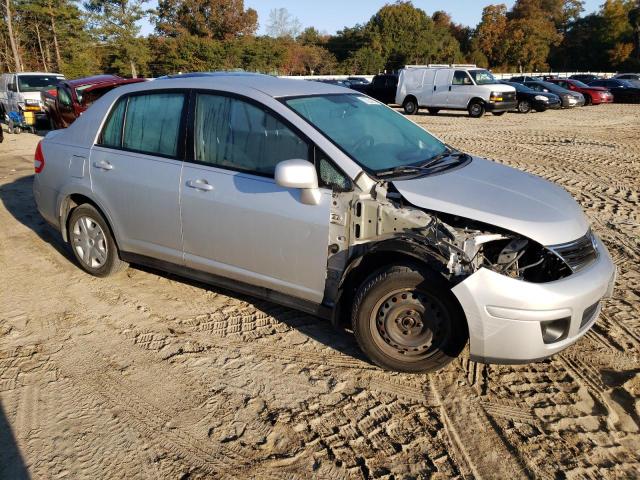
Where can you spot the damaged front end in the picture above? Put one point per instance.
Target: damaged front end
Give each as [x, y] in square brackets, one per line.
[382, 221]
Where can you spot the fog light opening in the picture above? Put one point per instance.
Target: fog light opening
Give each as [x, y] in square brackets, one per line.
[555, 330]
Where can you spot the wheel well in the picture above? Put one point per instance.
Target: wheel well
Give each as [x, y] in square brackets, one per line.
[70, 203]
[410, 97]
[476, 99]
[360, 268]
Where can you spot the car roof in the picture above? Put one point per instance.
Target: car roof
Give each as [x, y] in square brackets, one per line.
[45, 74]
[241, 83]
[76, 82]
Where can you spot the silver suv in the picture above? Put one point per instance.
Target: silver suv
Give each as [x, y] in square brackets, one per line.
[323, 199]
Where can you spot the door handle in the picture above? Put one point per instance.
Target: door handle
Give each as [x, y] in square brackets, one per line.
[103, 165]
[200, 184]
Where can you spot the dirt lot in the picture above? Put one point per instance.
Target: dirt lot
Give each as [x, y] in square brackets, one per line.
[145, 375]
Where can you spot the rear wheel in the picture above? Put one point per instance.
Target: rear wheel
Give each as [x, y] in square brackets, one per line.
[524, 106]
[405, 319]
[433, 111]
[91, 242]
[410, 106]
[476, 109]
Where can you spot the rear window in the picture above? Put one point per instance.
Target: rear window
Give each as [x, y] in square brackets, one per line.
[148, 123]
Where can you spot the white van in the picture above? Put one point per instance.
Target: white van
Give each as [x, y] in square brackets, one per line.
[453, 87]
[21, 91]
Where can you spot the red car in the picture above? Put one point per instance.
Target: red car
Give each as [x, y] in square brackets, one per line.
[70, 98]
[592, 95]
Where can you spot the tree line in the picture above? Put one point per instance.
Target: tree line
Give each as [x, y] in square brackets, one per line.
[195, 35]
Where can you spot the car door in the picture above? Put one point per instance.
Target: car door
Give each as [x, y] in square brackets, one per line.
[461, 90]
[135, 172]
[441, 85]
[66, 114]
[236, 221]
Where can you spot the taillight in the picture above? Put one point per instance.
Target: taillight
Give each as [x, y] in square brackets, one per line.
[38, 159]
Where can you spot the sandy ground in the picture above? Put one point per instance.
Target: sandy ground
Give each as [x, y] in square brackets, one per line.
[145, 375]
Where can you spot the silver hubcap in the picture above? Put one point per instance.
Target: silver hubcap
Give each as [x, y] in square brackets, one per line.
[89, 242]
[476, 109]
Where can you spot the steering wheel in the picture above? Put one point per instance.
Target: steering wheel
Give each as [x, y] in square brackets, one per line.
[365, 141]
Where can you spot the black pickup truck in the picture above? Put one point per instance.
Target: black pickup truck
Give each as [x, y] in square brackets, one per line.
[383, 88]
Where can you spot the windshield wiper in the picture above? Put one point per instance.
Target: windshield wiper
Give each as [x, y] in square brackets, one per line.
[410, 169]
[402, 169]
[442, 156]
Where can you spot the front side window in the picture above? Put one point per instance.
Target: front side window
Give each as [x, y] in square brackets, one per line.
[373, 135]
[461, 78]
[64, 97]
[231, 133]
[483, 77]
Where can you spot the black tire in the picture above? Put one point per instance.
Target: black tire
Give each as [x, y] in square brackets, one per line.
[476, 109]
[524, 106]
[410, 106]
[588, 100]
[391, 326]
[98, 267]
[498, 114]
[433, 111]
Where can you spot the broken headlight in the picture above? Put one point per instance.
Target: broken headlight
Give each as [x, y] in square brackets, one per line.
[524, 259]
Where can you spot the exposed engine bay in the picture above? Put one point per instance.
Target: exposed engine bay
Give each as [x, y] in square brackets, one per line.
[456, 247]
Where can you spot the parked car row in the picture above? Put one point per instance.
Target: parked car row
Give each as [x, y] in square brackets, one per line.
[467, 87]
[30, 99]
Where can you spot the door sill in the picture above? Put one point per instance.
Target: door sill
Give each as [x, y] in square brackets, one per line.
[318, 310]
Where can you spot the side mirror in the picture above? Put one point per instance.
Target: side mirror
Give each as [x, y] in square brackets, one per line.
[11, 87]
[299, 174]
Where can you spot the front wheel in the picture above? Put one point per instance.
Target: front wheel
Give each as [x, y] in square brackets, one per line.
[476, 109]
[410, 106]
[405, 319]
[524, 106]
[91, 242]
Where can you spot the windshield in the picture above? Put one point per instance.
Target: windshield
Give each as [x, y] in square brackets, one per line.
[372, 134]
[37, 83]
[482, 77]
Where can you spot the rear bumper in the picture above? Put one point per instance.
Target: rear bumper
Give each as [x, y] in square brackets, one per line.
[505, 315]
[501, 106]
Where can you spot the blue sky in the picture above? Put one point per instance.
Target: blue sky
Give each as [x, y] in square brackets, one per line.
[333, 15]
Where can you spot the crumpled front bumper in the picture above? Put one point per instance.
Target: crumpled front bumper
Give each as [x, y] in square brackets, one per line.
[505, 315]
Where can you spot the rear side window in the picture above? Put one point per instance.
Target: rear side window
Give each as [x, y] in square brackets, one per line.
[147, 123]
[152, 123]
[112, 133]
[231, 133]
